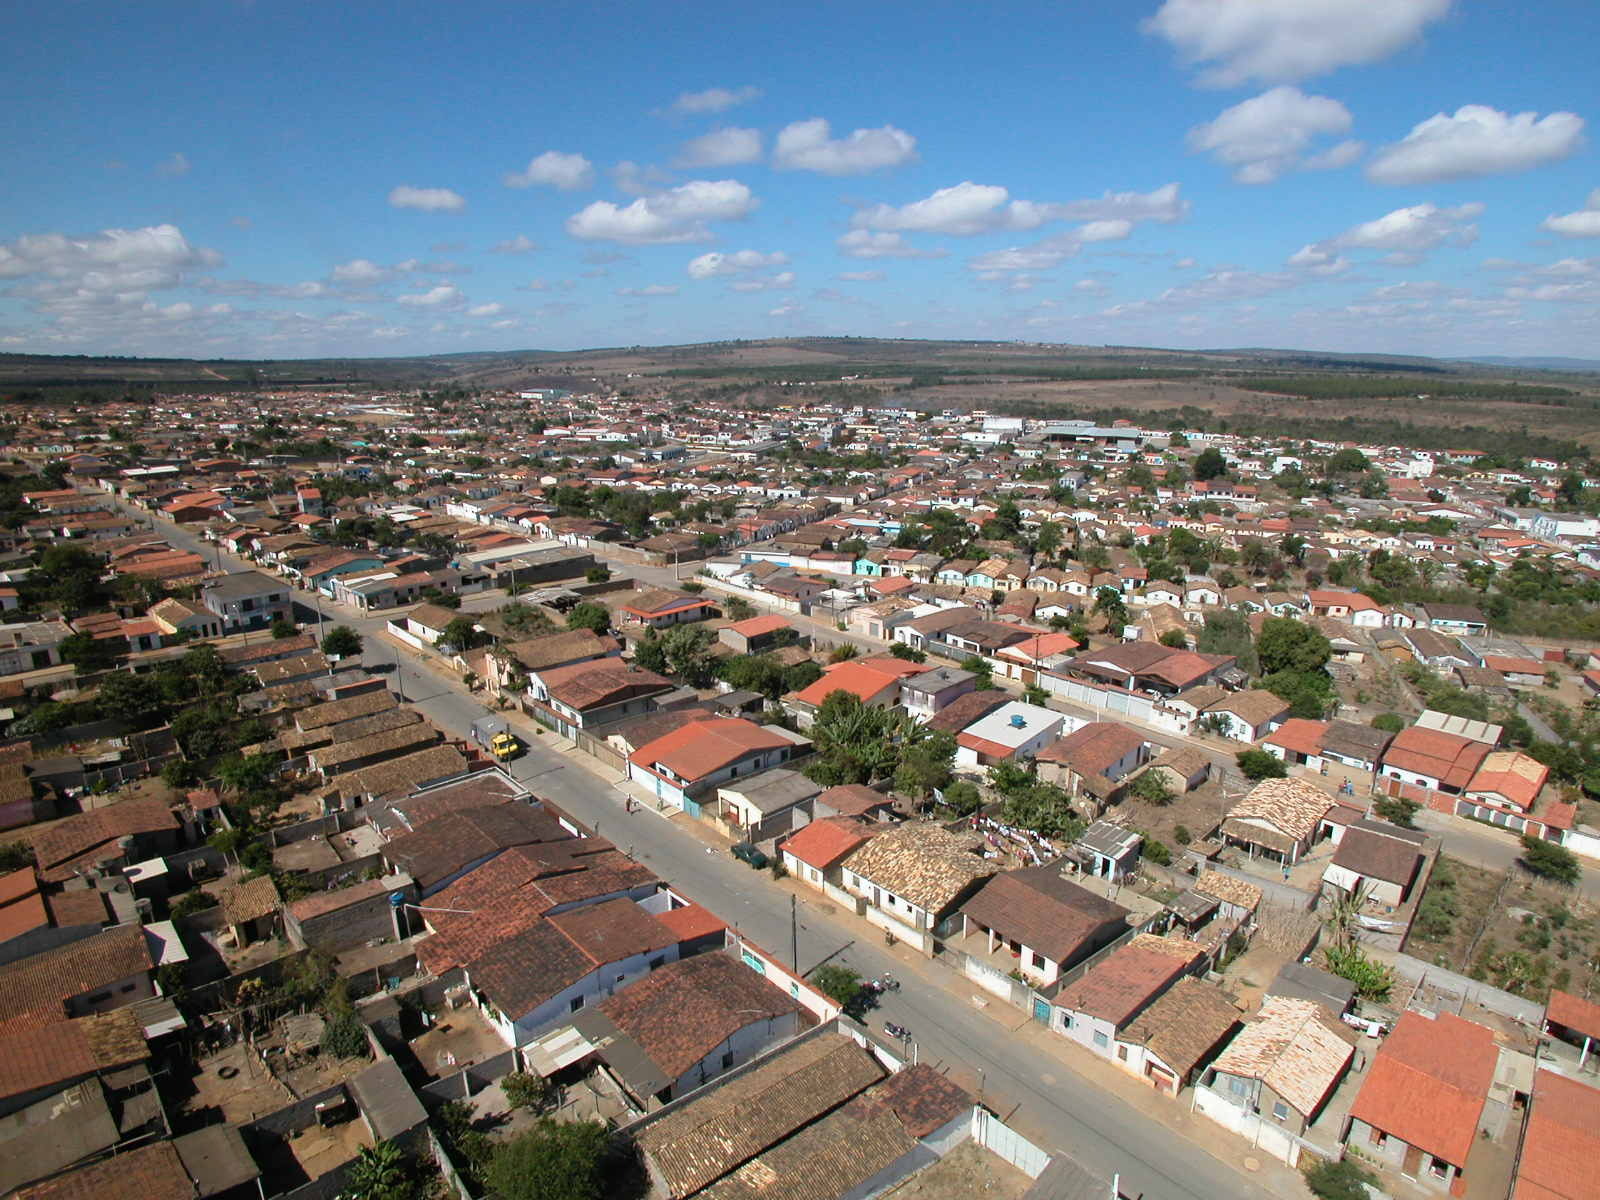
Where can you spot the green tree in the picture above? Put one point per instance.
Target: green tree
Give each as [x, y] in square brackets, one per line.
[1151, 787]
[1348, 461]
[589, 615]
[1258, 764]
[378, 1172]
[1397, 810]
[461, 634]
[1176, 639]
[128, 697]
[528, 1091]
[1108, 603]
[1209, 464]
[1389, 722]
[737, 608]
[841, 985]
[907, 652]
[1286, 644]
[963, 797]
[88, 653]
[342, 642]
[1308, 693]
[686, 650]
[1549, 861]
[981, 668]
[283, 629]
[554, 1160]
[925, 766]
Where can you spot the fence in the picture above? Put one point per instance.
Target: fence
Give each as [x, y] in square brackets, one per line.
[1464, 990]
[990, 1132]
[596, 747]
[469, 1080]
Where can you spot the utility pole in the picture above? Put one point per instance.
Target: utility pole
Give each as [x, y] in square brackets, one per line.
[794, 935]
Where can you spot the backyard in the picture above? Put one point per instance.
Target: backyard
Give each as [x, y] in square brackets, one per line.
[1509, 930]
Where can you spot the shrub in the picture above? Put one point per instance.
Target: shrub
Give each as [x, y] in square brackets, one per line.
[524, 1090]
[345, 1036]
[1156, 852]
[1182, 836]
[1549, 861]
[1151, 787]
[1258, 764]
[190, 903]
[1397, 810]
[1339, 1180]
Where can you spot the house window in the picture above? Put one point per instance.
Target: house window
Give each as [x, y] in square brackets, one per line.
[577, 1003]
[727, 1060]
[1238, 1086]
[1101, 1040]
[1038, 961]
[1066, 1020]
[657, 961]
[1378, 1138]
[1438, 1168]
[1280, 1111]
[1122, 1053]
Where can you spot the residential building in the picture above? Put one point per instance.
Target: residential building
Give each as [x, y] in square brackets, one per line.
[682, 767]
[1278, 818]
[1014, 731]
[1039, 921]
[913, 878]
[1099, 1004]
[1177, 1036]
[247, 600]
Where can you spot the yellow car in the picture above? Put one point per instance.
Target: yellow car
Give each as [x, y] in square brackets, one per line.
[505, 746]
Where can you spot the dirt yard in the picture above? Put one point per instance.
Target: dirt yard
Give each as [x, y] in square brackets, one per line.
[966, 1172]
[1509, 930]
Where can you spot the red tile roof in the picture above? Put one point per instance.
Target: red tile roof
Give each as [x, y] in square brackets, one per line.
[756, 626]
[702, 747]
[1562, 1142]
[823, 843]
[1428, 1084]
[1574, 1013]
[1442, 756]
[690, 921]
[863, 678]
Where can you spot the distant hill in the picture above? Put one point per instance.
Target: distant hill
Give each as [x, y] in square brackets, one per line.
[1537, 364]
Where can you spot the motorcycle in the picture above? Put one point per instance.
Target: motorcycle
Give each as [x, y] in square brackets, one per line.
[897, 1031]
[884, 983]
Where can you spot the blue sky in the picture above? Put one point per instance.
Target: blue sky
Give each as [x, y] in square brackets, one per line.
[276, 179]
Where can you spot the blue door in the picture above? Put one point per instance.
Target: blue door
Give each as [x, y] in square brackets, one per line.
[1041, 1010]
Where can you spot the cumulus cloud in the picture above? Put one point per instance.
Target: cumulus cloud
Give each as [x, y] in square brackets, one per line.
[1226, 284]
[486, 310]
[721, 148]
[709, 266]
[860, 276]
[861, 243]
[155, 256]
[654, 289]
[1476, 140]
[521, 244]
[1265, 136]
[971, 208]
[1404, 235]
[426, 199]
[1583, 223]
[1051, 252]
[568, 172]
[713, 100]
[676, 215]
[1334, 157]
[444, 296]
[962, 210]
[811, 146]
[1281, 41]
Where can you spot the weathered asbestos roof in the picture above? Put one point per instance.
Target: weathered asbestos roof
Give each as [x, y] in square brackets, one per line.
[1295, 1047]
[922, 863]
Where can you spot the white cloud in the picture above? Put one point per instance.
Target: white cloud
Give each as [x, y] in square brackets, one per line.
[714, 100]
[1319, 260]
[1334, 157]
[785, 310]
[1105, 231]
[963, 210]
[486, 310]
[1225, 284]
[1265, 136]
[721, 148]
[521, 244]
[1280, 41]
[359, 271]
[569, 172]
[113, 261]
[859, 243]
[709, 266]
[178, 164]
[1583, 223]
[1164, 204]
[1476, 140]
[426, 199]
[676, 215]
[654, 289]
[444, 296]
[1039, 257]
[782, 281]
[1404, 235]
[860, 276]
[810, 146]
[637, 179]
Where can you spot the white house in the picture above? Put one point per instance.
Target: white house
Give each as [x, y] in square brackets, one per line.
[1013, 731]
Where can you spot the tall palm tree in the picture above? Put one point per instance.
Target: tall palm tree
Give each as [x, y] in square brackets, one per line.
[378, 1172]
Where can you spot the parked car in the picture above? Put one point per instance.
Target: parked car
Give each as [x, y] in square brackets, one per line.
[746, 852]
